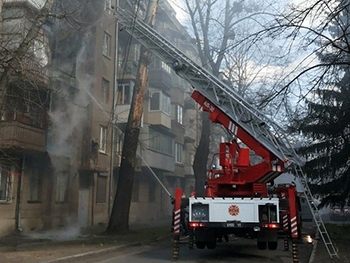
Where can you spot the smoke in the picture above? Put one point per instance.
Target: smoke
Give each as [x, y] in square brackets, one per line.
[57, 234]
[72, 95]
[69, 112]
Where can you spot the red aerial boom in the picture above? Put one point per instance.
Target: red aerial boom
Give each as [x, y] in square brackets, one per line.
[236, 176]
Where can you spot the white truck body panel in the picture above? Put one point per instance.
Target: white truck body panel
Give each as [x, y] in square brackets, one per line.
[245, 210]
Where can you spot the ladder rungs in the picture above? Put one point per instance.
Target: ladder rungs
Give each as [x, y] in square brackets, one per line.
[315, 213]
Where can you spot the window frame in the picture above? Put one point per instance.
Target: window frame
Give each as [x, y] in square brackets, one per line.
[136, 51]
[179, 114]
[108, 6]
[179, 153]
[165, 67]
[8, 184]
[163, 103]
[102, 146]
[106, 47]
[101, 188]
[62, 187]
[35, 181]
[122, 97]
[161, 142]
[105, 90]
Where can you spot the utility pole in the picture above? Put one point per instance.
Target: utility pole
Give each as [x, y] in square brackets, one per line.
[113, 124]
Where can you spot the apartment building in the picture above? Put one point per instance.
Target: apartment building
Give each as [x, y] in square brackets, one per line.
[23, 126]
[55, 124]
[59, 153]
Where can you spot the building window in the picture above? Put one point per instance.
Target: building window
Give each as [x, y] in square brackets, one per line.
[166, 104]
[124, 94]
[140, 9]
[103, 139]
[135, 52]
[161, 142]
[155, 102]
[178, 153]
[108, 6]
[101, 188]
[106, 44]
[35, 185]
[160, 102]
[179, 114]
[105, 90]
[166, 67]
[62, 187]
[5, 184]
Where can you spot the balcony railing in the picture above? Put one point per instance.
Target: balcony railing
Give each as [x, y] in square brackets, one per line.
[34, 72]
[36, 4]
[15, 135]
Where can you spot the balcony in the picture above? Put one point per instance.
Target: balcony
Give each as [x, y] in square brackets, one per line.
[33, 72]
[19, 136]
[158, 118]
[160, 78]
[159, 161]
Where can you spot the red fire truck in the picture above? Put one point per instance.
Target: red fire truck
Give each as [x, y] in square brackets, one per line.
[240, 197]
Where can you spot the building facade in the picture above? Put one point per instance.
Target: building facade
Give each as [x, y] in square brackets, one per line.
[63, 117]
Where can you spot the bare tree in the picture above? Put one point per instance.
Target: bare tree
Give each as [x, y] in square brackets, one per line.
[16, 53]
[215, 26]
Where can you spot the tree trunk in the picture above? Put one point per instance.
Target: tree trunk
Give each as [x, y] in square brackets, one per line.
[201, 156]
[119, 219]
[200, 163]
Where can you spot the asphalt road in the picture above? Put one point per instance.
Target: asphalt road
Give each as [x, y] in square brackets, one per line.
[238, 250]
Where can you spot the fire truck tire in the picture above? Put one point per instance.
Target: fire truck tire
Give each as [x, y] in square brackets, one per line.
[272, 245]
[261, 245]
[200, 244]
[211, 245]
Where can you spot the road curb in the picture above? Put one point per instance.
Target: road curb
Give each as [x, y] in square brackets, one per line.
[99, 251]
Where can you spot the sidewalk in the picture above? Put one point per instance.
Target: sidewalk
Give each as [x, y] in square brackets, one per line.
[59, 245]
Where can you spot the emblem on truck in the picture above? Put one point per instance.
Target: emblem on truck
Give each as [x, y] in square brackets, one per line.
[233, 210]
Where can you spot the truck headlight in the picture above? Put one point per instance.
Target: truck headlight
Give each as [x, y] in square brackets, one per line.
[200, 212]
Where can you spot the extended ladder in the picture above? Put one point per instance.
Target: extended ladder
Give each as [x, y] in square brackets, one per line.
[332, 251]
[266, 131]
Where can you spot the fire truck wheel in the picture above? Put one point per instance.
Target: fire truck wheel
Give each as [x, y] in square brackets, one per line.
[200, 245]
[272, 245]
[211, 245]
[261, 245]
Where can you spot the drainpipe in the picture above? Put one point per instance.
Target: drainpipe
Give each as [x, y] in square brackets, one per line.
[115, 88]
[19, 198]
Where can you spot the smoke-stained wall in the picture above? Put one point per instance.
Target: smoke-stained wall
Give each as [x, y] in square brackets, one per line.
[75, 100]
